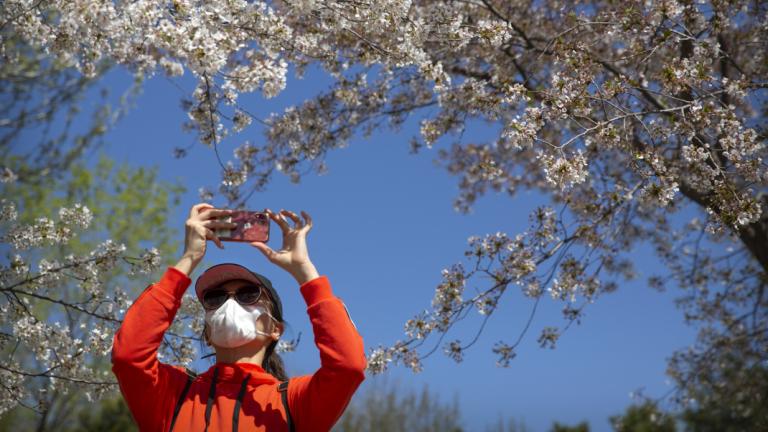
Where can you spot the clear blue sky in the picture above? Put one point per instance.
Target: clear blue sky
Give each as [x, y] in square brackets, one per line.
[384, 229]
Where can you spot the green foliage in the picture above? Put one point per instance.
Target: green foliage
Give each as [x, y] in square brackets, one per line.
[109, 415]
[581, 427]
[510, 426]
[384, 408]
[722, 406]
[130, 206]
[643, 418]
[727, 405]
[10, 420]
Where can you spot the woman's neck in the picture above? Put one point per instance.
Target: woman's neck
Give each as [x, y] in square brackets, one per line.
[242, 354]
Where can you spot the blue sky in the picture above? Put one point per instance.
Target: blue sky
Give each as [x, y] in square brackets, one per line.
[384, 229]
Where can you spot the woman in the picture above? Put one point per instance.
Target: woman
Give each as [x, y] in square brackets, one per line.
[243, 314]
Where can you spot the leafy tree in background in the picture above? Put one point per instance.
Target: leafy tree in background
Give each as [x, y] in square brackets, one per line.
[64, 287]
[581, 427]
[385, 408]
[63, 294]
[733, 406]
[644, 122]
[507, 426]
[110, 415]
[646, 417]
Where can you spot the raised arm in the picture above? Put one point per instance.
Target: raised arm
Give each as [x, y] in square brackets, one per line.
[318, 400]
[145, 382]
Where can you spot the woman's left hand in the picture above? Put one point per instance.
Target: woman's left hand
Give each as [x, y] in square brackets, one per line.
[293, 257]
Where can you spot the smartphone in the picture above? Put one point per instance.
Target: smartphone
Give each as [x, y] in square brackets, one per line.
[251, 226]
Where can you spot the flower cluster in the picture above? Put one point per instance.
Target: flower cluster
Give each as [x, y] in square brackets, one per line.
[45, 346]
[45, 231]
[455, 351]
[148, 261]
[7, 176]
[8, 211]
[549, 337]
[378, 360]
[505, 352]
[564, 171]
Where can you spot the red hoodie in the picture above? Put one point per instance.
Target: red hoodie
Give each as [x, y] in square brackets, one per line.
[243, 396]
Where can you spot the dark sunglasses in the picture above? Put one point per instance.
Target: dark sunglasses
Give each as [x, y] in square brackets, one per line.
[247, 295]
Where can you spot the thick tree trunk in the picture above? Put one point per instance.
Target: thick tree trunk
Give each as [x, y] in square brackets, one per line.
[754, 236]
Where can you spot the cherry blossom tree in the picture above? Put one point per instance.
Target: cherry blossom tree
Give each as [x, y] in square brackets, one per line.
[61, 278]
[643, 121]
[74, 260]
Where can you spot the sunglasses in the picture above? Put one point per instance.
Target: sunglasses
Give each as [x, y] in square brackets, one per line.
[247, 295]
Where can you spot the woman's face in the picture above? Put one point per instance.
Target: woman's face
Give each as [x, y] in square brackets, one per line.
[264, 323]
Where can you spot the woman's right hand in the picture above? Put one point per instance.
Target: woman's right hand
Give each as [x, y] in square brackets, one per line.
[198, 229]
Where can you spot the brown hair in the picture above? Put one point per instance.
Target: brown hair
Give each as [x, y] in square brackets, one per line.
[272, 362]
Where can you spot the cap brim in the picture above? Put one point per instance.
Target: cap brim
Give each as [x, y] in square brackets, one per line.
[221, 273]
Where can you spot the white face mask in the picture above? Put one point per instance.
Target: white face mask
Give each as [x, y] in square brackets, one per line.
[232, 325]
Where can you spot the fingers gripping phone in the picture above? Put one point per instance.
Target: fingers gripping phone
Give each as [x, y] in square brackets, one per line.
[251, 227]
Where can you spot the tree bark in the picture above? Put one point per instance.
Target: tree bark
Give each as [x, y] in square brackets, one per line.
[754, 236]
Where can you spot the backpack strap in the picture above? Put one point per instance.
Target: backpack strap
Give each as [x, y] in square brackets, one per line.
[283, 389]
[238, 403]
[191, 376]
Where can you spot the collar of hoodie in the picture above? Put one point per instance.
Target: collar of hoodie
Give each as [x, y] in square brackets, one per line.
[235, 373]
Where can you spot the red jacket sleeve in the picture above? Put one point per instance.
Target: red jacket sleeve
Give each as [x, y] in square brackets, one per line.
[318, 400]
[147, 384]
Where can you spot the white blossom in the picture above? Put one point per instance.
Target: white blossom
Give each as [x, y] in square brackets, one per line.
[378, 360]
[78, 216]
[7, 176]
[565, 171]
[148, 261]
[7, 211]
